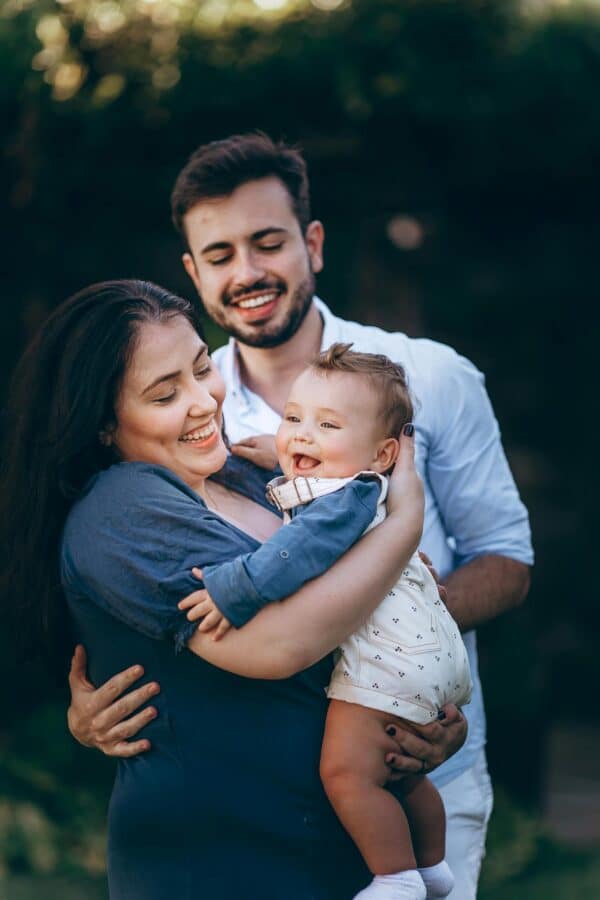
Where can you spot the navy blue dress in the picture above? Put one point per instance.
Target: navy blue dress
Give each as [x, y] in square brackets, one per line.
[228, 803]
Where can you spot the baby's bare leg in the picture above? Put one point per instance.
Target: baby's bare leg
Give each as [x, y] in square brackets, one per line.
[354, 773]
[426, 818]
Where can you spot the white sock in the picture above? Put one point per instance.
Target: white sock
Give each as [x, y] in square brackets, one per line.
[406, 885]
[438, 879]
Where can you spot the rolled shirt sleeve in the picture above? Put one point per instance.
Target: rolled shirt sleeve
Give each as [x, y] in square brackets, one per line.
[130, 543]
[468, 471]
[303, 549]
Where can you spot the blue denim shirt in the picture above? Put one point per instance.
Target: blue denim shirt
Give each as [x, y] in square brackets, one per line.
[229, 801]
[304, 548]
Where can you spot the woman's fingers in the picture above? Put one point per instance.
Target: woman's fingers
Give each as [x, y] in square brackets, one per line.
[406, 453]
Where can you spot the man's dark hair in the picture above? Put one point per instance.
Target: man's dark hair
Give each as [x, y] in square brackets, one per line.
[218, 168]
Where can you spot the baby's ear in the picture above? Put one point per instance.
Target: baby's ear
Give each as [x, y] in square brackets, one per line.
[386, 455]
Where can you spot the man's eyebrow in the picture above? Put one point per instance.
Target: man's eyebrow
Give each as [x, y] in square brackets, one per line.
[171, 375]
[255, 236]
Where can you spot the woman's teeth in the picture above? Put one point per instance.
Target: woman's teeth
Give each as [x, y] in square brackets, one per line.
[257, 301]
[201, 433]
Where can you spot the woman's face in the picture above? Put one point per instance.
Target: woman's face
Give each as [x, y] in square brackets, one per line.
[168, 411]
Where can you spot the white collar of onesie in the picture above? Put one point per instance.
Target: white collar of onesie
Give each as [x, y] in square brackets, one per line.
[286, 493]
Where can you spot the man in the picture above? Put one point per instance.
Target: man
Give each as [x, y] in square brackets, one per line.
[252, 252]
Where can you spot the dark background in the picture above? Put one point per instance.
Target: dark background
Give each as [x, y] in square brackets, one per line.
[454, 153]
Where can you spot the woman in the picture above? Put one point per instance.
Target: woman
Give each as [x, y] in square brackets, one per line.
[119, 479]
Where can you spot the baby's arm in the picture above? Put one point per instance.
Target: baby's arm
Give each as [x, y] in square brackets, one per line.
[301, 550]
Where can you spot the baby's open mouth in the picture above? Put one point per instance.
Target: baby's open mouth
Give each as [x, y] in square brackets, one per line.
[304, 463]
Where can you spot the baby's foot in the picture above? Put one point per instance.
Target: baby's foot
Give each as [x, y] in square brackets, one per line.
[406, 885]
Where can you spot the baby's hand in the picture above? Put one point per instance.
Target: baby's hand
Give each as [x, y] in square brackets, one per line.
[259, 449]
[200, 605]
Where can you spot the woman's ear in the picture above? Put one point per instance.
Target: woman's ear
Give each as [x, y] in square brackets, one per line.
[106, 436]
[386, 455]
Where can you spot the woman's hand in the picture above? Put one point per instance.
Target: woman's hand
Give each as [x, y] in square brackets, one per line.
[259, 449]
[405, 492]
[427, 746]
[101, 717]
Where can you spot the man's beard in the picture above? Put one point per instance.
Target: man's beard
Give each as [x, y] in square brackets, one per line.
[266, 335]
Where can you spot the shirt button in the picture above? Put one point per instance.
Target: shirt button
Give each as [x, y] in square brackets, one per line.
[284, 554]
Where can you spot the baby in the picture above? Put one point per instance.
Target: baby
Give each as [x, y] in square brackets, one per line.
[336, 441]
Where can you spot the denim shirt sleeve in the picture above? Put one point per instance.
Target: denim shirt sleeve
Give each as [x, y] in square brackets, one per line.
[129, 546]
[305, 548]
[468, 471]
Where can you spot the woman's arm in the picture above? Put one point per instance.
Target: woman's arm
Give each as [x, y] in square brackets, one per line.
[285, 638]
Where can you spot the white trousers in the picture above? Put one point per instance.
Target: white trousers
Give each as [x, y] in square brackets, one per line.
[468, 802]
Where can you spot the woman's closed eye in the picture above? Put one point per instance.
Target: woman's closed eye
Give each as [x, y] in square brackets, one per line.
[200, 373]
[166, 399]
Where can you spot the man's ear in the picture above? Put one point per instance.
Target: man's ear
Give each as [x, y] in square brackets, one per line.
[314, 239]
[190, 267]
[386, 455]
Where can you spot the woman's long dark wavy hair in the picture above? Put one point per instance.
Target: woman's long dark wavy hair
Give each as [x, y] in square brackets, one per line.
[63, 395]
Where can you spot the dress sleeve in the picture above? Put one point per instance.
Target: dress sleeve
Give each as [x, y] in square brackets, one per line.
[304, 548]
[468, 471]
[130, 544]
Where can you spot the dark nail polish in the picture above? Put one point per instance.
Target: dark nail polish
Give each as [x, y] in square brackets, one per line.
[391, 731]
[409, 429]
[441, 715]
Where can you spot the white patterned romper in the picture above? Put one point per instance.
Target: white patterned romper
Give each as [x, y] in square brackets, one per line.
[408, 659]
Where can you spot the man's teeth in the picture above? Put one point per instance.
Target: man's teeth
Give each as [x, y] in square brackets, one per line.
[201, 433]
[257, 301]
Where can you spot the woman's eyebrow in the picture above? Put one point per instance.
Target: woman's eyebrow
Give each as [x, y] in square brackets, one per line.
[171, 375]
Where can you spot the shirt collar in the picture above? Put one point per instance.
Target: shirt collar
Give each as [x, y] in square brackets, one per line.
[231, 361]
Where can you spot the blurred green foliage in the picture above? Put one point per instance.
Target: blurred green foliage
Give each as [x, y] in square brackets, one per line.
[472, 126]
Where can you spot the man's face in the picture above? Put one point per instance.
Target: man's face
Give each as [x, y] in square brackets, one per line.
[250, 263]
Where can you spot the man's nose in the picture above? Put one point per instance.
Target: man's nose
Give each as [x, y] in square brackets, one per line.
[249, 269]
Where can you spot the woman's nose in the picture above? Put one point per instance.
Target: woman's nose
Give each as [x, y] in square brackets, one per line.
[203, 402]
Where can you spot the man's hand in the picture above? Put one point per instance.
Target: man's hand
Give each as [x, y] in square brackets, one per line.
[428, 746]
[101, 717]
[259, 449]
[433, 572]
[200, 605]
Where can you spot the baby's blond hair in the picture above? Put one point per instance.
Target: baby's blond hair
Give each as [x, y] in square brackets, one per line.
[388, 380]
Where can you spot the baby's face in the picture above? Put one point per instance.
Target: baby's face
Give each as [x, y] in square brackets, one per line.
[330, 426]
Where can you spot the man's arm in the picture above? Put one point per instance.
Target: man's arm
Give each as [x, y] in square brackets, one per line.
[484, 588]
[476, 495]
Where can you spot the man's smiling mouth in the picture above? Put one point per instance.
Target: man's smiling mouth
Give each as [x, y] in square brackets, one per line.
[255, 302]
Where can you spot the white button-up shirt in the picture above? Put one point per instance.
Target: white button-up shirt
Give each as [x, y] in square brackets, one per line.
[472, 505]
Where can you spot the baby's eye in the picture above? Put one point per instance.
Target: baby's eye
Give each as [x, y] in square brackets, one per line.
[290, 418]
[329, 425]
